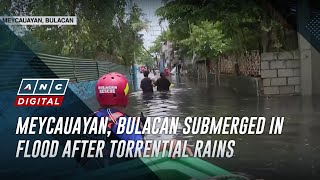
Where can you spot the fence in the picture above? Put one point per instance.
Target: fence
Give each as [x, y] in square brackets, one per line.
[249, 64]
[77, 70]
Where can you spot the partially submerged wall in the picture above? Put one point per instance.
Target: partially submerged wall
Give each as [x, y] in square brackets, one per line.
[245, 85]
[280, 73]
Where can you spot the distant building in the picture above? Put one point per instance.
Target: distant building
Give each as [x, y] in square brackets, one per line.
[165, 59]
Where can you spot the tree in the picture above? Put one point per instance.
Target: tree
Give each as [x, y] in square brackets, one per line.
[239, 19]
[180, 15]
[163, 37]
[104, 27]
[208, 40]
[144, 58]
[129, 43]
[249, 24]
[156, 47]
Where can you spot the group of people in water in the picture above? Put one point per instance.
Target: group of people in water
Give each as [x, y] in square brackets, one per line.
[147, 84]
[113, 104]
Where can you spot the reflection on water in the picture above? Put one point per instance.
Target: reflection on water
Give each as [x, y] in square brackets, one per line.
[270, 156]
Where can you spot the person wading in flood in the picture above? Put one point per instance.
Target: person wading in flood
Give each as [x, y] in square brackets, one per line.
[112, 93]
[146, 83]
[162, 83]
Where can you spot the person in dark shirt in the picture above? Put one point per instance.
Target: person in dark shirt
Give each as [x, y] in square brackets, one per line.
[112, 93]
[146, 83]
[162, 83]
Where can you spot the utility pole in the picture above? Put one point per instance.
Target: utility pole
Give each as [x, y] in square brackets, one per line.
[133, 69]
[133, 66]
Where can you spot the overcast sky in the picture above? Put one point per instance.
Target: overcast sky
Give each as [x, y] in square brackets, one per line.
[154, 29]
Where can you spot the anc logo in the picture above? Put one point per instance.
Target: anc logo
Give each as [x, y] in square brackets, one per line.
[41, 92]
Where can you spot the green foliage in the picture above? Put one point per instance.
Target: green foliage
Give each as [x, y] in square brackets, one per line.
[163, 37]
[207, 40]
[129, 44]
[156, 47]
[103, 27]
[247, 24]
[144, 58]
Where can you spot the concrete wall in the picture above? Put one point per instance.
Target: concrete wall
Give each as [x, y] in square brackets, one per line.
[310, 63]
[245, 85]
[305, 65]
[83, 90]
[280, 73]
[315, 71]
[167, 49]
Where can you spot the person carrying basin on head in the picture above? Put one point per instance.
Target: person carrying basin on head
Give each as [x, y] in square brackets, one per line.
[146, 83]
[163, 84]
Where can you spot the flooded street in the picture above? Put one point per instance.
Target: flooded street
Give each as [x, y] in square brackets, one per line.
[295, 152]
